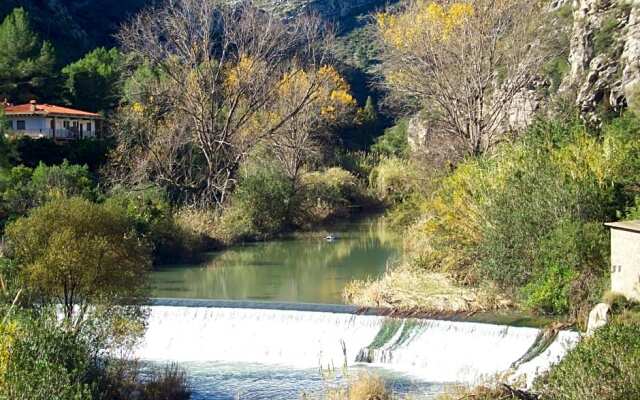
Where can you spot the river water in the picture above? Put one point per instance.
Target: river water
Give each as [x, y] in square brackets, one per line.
[302, 269]
[283, 347]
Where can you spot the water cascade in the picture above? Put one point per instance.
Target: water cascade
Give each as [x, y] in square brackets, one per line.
[440, 351]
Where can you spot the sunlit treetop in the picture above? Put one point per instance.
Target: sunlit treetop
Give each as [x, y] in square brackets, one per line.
[425, 20]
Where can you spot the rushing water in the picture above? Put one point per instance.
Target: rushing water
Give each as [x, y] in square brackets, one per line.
[305, 269]
[278, 354]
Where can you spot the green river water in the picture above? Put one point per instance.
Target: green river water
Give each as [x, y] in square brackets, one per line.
[304, 268]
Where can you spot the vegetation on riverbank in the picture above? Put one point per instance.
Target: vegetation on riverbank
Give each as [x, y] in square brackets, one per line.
[526, 218]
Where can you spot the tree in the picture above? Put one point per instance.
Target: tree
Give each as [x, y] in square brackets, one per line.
[303, 136]
[93, 82]
[76, 253]
[26, 62]
[464, 63]
[217, 70]
[6, 150]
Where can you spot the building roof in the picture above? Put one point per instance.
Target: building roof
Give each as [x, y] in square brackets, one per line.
[33, 108]
[631, 226]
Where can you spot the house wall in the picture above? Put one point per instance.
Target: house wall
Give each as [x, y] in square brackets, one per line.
[42, 125]
[625, 263]
[31, 123]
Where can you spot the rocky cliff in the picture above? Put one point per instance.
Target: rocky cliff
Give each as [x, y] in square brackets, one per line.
[330, 9]
[604, 55]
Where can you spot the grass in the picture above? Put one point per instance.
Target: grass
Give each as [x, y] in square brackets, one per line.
[410, 291]
[362, 387]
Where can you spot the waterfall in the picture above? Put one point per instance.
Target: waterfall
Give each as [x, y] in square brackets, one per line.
[440, 351]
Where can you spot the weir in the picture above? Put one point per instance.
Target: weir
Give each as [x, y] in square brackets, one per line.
[312, 336]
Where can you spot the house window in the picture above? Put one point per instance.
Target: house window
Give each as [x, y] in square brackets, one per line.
[65, 124]
[21, 125]
[88, 126]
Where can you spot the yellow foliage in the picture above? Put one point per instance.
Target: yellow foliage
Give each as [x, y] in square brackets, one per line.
[137, 108]
[424, 20]
[332, 96]
[8, 333]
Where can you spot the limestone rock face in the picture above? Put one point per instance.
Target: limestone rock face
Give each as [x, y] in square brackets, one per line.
[598, 317]
[605, 54]
[330, 9]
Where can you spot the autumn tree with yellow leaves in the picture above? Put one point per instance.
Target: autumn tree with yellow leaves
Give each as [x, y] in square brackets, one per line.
[217, 81]
[304, 136]
[463, 63]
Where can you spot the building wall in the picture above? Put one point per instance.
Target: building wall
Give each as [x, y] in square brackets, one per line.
[43, 125]
[625, 263]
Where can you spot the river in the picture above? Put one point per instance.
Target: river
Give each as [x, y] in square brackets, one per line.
[304, 268]
[263, 321]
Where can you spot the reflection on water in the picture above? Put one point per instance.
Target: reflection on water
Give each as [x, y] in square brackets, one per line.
[307, 269]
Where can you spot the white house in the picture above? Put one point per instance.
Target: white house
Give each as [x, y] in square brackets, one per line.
[625, 258]
[49, 121]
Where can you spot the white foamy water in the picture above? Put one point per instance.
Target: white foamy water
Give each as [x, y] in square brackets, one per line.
[436, 351]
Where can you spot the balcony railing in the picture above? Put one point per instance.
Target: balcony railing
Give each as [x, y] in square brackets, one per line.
[60, 133]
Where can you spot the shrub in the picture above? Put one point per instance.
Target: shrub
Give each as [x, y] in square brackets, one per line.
[527, 217]
[604, 366]
[393, 180]
[329, 194]
[567, 265]
[154, 219]
[80, 254]
[23, 188]
[362, 387]
[45, 362]
[260, 206]
[394, 142]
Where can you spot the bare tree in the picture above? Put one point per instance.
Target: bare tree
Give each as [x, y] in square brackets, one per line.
[215, 74]
[463, 63]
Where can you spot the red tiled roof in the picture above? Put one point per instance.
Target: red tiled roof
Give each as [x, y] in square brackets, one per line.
[46, 109]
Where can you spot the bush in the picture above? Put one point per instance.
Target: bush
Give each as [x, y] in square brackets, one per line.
[22, 188]
[567, 265]
[260, 206]
[154, 219]
[604, 366]
[394, 180]
[45, 362]
[394, 142]
[528, 216]
[32, 152]
[326, 195]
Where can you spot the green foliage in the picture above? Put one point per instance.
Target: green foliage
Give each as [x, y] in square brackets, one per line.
[604, 366]
[394, 180]
[6, 150]
[394, 142]
[26, 62]
[45, 362]
[154, 219]
[74, 252]
[260, 206]
[605, 37]
[22, 188]
[93, 82]
[529, 217]
[568, 262]
[326, 195]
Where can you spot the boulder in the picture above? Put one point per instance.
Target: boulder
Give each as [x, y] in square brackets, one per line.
[598, 317]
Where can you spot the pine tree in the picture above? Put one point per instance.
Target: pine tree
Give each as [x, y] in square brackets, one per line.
[92, 83]
[26, 62]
